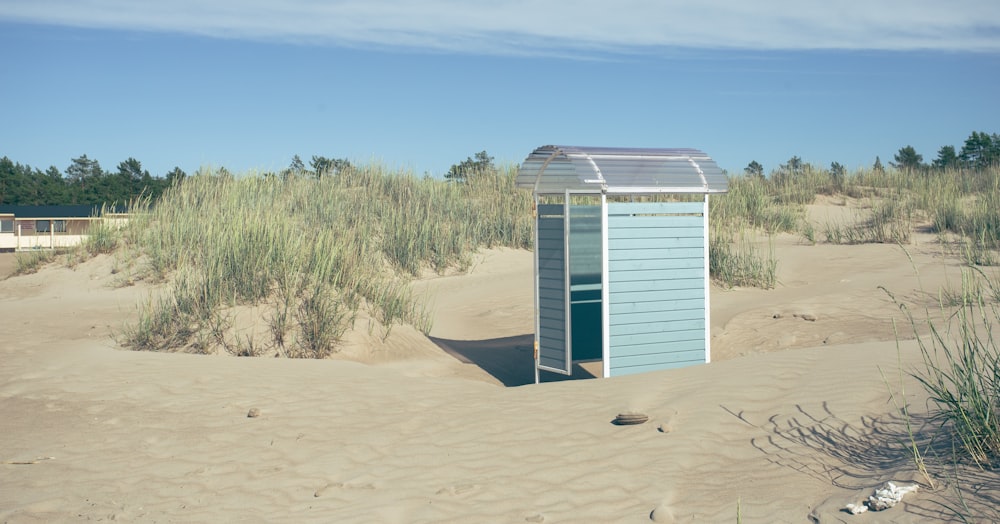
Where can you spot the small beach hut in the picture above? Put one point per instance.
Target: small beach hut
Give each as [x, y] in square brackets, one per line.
[621, 271]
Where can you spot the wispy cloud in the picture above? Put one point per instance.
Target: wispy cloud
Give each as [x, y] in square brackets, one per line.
[549, 26]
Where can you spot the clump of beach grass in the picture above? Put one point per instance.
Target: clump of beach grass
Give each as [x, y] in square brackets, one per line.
[961, 373]
[736, 218]
[887, 221]
[739, 262]
[751, 203]
[801, 185]
[104, 235]
[313, 252]
[27, 262]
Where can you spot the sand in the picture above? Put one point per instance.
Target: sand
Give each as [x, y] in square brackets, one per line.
[790, 421]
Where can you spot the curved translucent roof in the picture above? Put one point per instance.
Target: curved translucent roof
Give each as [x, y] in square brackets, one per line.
[554, 169]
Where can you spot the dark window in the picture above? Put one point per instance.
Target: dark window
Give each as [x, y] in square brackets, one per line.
[42, 226]
[59, 226]
[6, 226]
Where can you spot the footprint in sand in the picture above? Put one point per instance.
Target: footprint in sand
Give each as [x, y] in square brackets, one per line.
[662, 513]
[460, 489]
[96, 409]
[668, 422]
[342, 485]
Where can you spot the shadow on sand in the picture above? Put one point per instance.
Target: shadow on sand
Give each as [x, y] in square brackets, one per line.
[508, 359]
[862, 454]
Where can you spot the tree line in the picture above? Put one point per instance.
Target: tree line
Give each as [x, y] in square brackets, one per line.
[979, 151]
[84, 182]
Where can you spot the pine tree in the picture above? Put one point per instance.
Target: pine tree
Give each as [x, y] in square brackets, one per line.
[470, 166]
[946, 159]
[908, 159]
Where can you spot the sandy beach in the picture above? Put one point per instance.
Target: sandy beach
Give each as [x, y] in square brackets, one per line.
[791, 420]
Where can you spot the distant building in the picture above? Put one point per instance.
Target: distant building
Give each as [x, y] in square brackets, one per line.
[48, 227]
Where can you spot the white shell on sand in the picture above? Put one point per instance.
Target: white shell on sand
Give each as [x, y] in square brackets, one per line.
[884, 498]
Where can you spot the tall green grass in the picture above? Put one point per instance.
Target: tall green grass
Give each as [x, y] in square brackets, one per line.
[887, 221]
[802, 186]
[104, 235]
[752, 205]
[963, 202]
[893, 204]
[961, 372]
[739, 262]
[315, 252]
[27, 262]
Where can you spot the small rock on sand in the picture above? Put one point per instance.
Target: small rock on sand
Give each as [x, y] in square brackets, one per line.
[630, 418]
[253, 413]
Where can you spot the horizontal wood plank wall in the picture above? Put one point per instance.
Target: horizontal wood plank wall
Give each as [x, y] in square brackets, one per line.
[656, 269]
[552, 348]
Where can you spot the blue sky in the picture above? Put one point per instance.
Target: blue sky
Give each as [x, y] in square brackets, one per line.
[247, 84]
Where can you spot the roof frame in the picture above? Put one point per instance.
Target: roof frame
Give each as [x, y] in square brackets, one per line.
[554, 169]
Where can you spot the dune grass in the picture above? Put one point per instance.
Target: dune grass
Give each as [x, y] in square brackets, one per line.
[739, 262]
[27, 262]
[754, 203]
[959, 370]
[316, 252]
[735, 219]
[887, 221]
[961, 201]
[103, 235]
[891, 205]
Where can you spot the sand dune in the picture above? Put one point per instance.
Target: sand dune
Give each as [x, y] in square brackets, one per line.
[791, 421]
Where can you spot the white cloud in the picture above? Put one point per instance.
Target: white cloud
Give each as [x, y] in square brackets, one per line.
[549, 26]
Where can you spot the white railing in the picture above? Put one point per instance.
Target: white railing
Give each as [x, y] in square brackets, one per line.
[19, 242]
[25, 237]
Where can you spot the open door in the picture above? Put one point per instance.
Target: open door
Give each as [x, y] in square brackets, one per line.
[568, 294]
[553, 336]
[585, 276]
